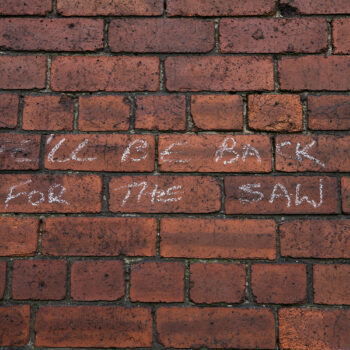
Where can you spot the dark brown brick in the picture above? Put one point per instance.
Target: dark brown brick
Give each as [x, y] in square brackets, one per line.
[93, 326]
[2, 278]
[19, 152]
[18, 236]
[345, 193]
[217, 283]
[97, 280]
[341, 34]
[8, 110]
[281, 195]
[219, 73]
[157, 282]
[106, 236]
[161, 112]
[23, 7]
[218, 238]
[279, 284]
[39, 279]
[312, 7]
[48, 113]
[215, 328]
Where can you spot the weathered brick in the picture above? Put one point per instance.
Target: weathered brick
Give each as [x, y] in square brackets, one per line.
[58, 34]
[275, 113]
[161, 35]
[314, 73]
[157, 282]
[23, 7]
[315, 239]
[110, 7]
[345, 194]
[214, 153]
[331, 284]
[161, 112]
[14, 320]
[220, 8]
[341, 34]
[104, 113]
[8, 110]
[329, 112]
[100, 152]
[312, 329]
[97, 280]
[279, 283]
[18, 236]
[41, 193]
[19, 152]
[164, 194]
[281, 195]
[219, 73]
[48, 113]
[273, 35]
[215, 328]
[2, 278]
[99, 236]
[297, 153]
[93, 326]
[218, 238]
[22, 72]
[312, 7]
[39, 279]
[98, 73]
[217, 283]
[217, 112]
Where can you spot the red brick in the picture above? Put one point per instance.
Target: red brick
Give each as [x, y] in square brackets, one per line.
[214, 153]
[219, 73]
[23, 7]
[273, 35]
[220, 8]
[218, 238]
[2, 278]
[297, 153]
[110, 7]
[329, 112]
[161, 35]
[157, 282]
[8, 110]
[97, 280]
[161, 112]
[315, 239]
[341, 34]
[281, 195]
[312, 7]
[217, 283]
[215, 328]
[104, 113]
[18, 236]
[164, 194]
[275, 113]
[331, 284]
[19, 152]
[314, 73]
[41, 193]
[59, 34]
[217, 112]
[98, 73]
[312, 329]
[22, 72]
[39, 279]
[100, 152]
[93, 326]
[48, 113]
[345, 193]
[14, 322]
[99, 236]
[279, 284]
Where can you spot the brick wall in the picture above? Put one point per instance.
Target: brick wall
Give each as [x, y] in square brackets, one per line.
[175, 174]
